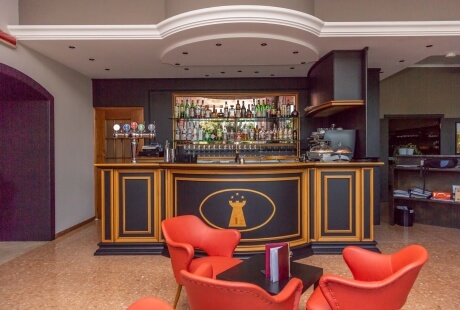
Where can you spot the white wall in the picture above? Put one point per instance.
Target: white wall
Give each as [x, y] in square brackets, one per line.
[73, 115]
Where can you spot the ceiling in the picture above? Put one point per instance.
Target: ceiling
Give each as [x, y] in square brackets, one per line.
[238, 41]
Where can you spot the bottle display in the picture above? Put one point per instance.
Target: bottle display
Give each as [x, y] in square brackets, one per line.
[256, 126]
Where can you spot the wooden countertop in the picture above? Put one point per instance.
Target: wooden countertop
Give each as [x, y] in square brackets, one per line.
[247, 165]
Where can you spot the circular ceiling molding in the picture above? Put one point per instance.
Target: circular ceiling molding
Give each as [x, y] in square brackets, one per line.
[248, 50]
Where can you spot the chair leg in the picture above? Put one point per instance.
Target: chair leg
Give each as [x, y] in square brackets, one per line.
[179, 288]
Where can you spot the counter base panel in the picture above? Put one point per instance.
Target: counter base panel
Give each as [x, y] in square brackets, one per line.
[130, 249]
[337, 247]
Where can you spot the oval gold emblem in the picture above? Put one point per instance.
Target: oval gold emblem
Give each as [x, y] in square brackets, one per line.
[238, 208]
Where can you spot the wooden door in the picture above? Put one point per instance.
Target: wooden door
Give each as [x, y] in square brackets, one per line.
[106, 148]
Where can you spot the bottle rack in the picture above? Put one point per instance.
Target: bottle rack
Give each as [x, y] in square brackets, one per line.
[221, 125]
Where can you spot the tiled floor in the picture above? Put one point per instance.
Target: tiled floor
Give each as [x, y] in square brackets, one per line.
[13, 249]
[64, 274]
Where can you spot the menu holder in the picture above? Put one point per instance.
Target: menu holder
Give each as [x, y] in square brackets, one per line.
[277, 264]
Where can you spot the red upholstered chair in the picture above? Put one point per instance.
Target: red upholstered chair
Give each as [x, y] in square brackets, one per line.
[185, 233]
[206, 293]
[380, 281]
[149, 303]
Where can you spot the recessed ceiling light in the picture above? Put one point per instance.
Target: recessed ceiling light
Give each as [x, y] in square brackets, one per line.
[451, 54]
[303, 62]
[91, 59]
[381, 72]
[186, 69]
[72, 47]
[430, 45]
[295, 52]
[107, 69]
[184, 53]
[272, 74]
[206, 75]
[264, 44]
[177, 64]
[402, 60]
[222, 72]
[292, 68]
[256, 71]
[218, 44]
[239, 71]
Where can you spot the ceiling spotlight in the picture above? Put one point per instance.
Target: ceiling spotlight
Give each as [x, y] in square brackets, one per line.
[107, 69]
[263, 44]
[72, 47]
[451, 54]
[222, 72]
[295, 52]
[402, 60]
[177, 64]
[184, 53]
[91, 59]
[218, 44]
[430, 45]
[239, 71]
[256, 71]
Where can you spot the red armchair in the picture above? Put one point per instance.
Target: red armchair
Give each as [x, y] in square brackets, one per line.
[206, 293]
[149, 303]
[380, 281]
[185, 233]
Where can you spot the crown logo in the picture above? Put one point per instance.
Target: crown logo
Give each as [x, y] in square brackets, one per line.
[237, 217]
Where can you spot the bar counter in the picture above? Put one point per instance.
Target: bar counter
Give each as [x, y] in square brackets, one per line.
[317, 207]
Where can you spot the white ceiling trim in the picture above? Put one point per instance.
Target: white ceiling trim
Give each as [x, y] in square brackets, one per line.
[379, 29]
[237, 14]
[152, 32]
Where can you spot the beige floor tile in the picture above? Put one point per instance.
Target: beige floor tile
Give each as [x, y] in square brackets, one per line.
[64, 274]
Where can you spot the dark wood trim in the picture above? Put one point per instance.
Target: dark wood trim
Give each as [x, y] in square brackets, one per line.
[74, 227]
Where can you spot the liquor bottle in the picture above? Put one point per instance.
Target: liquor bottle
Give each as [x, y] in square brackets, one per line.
[220, 114]
[192, 110]
[200, 133]
[177, 133]
[182, 109]
[232, 111]
[256, 133]
[177, 110]
[273, 110]
[248, 113]
[189, 131]
[251, 133]
[262, 133]
[245, 132]
[267, 108]
[207, 111]
[225, 110]
[195, 132]
[224, 134]
[198, 109]
[183, 135]
[294, 134]
[187, 109]
[203, 109]
[258, 113]
[238, 109]
[214, 111]
[243, 110]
